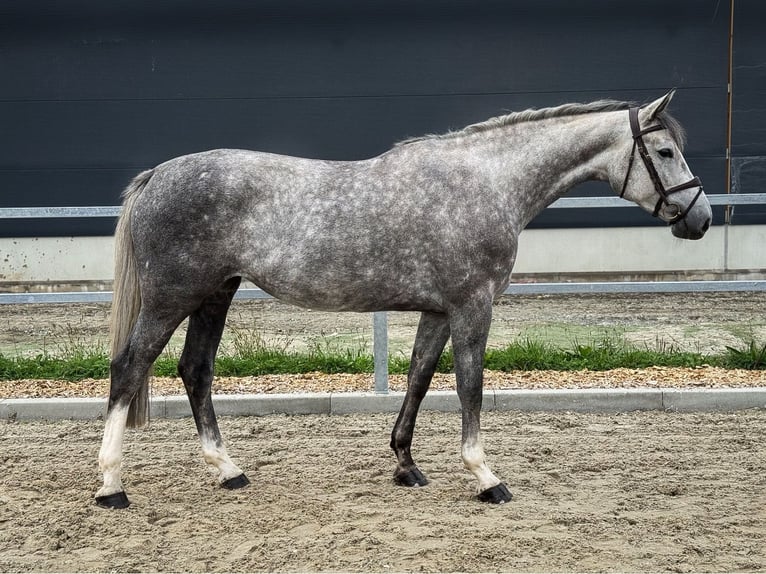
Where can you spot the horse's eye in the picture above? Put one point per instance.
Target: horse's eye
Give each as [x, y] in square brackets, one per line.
[665, 152]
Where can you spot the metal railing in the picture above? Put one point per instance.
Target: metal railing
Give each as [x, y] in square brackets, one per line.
[740, 286]
[561, 203]
[380, 328]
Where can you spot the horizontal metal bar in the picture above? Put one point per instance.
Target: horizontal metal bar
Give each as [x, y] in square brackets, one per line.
[62, 297]
[513, 289]
[634, 287]
[561, 203]
[609, 201]
[737, 199]
[58, 212]
[587, 202]
[96, 296]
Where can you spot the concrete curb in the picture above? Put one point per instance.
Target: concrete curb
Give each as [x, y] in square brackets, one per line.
[574, 400]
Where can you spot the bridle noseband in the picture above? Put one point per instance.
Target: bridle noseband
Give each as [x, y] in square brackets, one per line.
[638, 142]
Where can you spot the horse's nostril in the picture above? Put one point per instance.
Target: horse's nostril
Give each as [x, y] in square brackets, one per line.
[706, 225]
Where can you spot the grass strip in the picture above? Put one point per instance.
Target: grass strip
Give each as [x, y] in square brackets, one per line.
[78, 363]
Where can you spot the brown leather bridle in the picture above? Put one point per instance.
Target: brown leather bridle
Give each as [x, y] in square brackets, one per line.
[638, 142]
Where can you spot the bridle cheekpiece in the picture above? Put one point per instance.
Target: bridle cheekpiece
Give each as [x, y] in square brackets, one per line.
[638, 143]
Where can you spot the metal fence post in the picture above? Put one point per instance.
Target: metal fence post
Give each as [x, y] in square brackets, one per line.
[380, 351]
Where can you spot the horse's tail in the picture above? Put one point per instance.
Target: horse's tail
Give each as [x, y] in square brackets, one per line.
[126, 301]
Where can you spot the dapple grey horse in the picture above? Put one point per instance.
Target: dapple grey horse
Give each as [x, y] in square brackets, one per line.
[431, 225]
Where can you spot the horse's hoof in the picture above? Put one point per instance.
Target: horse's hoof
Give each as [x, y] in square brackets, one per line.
[236, 482]
[411, 477]
[498, 494]
[116, 500]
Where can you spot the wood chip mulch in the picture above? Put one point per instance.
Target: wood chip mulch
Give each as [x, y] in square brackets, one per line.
[655, 377]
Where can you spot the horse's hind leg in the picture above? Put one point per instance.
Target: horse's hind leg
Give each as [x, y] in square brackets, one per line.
[129, 371]
[196, 368]
[432, 335]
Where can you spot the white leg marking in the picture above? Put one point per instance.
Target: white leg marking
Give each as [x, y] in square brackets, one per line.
[217, 456]
[473, 459]
[110, 455]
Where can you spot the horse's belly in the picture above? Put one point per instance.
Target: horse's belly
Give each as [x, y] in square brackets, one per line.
[341, 292]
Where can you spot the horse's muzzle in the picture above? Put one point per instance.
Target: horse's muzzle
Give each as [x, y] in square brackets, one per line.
[691, 227]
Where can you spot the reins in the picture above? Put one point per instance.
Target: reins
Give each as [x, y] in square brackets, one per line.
[638, 143]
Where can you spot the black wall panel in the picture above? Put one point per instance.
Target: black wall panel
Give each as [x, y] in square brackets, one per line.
[92, 92]
[748, 149]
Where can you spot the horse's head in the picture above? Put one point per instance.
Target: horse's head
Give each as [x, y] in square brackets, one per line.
[652, 171]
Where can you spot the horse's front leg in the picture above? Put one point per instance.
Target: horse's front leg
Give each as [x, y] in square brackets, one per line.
[432, 335]
[470, 328]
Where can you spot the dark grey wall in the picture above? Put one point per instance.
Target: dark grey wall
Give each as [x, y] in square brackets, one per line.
[748, 126]
[92, 92]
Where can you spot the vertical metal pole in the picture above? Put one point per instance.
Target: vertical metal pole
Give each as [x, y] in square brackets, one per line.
[380, 351]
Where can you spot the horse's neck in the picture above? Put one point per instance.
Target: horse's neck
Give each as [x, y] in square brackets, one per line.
[548, 157]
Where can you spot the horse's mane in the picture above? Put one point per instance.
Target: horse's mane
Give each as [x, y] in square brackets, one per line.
[665, 119]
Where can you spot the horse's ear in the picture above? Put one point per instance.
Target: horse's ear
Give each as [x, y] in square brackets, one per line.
[650, 111]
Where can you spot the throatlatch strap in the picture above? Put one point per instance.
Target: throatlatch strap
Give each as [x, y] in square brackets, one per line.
[630, 166]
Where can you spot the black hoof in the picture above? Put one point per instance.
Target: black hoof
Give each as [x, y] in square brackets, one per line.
[498, 494]
[410, 478]
[240, 481]
[116, 500]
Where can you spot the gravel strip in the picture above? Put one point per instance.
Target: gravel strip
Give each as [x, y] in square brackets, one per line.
[655, 377]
